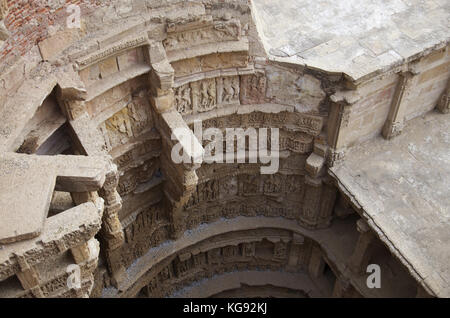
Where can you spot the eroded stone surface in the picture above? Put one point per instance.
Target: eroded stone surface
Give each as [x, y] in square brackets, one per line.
[352, 37]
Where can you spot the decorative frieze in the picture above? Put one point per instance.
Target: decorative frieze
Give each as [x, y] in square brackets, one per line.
[201, 32]
[292, 121]
[205, 95]
[112, 50]
[195, 66]
[147, 229]
[131, 121]
[193, 264]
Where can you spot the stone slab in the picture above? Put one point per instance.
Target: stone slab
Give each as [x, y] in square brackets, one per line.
[27, 183]
[403, 189]
[358, 38]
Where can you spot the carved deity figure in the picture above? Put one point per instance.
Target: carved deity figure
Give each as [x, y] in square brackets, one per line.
[228, 91]
[183, 102]
[204, 100]
[280, 250]
[3, 9]
[182, 267]
[209, 190]
[253, 89]
[249, 184]
[230, 252]
[293, 184]
[118, 128]
[235, 84]
[199, 259]
[228, 29]
[248, 249]
[214, 256]
[273, 184]
[137, 110]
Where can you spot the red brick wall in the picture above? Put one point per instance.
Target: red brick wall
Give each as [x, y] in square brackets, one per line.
[28, 22]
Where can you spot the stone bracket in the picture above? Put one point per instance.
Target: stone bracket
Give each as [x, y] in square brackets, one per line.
[395, 121]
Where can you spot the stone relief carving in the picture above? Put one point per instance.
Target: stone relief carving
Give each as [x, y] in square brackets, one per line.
[210, 32]
[253, 89]
[244, 194]
[3, 9]
[211, 62]
[262, 254]
[280, 250]
[204, 95]
[149, 229]
[228, 90]
[183, 99]
[292, 121]
[132, 121]
[112, 50]
[278, 195]
[3, 13]
[132, 178]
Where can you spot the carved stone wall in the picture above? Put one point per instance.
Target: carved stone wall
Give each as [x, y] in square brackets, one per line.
[122, 88]
[263, 250]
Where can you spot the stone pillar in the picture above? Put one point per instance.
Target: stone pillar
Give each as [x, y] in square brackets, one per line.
[340, 288]
[339, 120]
[27, 276]
[316, 263]
[328, 200]
[83, 197]
[361, 254]
[80, 253]
[311, 205]
[296, 246]
[395, 121]
[112, 232]
[421, 293]
[443, 105]
[319, 199]
[4, 34]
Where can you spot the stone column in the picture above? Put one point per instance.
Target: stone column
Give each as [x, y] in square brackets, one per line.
[362, 252]
[81, 253]
[4, 34]
[340, 288]
[28, 276]
[328, 199]
[112, 232]
[295, 250]
[316, 263]
[422, 293]
[339, 120]
[443, 105]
